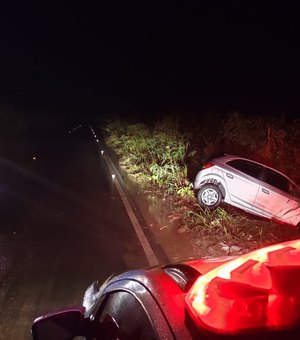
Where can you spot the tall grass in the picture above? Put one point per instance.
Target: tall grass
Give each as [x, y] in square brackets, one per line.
[274, 142]
[157, 155]
[219, 222]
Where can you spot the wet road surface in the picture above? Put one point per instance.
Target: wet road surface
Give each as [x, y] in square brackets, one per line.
[62, 226]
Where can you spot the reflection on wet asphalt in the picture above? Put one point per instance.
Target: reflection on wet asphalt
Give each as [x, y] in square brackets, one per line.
[62, 226]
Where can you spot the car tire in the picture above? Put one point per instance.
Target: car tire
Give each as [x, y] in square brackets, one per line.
[209, 196]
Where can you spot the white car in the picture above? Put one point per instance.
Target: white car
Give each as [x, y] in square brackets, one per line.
[248, 185]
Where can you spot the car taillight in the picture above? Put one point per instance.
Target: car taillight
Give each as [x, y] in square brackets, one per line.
[255, 291]
[207, 165]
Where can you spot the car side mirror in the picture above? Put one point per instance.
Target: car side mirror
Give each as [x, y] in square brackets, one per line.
[63, 325]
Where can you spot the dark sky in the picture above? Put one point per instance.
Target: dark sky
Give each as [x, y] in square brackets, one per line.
[149, 57]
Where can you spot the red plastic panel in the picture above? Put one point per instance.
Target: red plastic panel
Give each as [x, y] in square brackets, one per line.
[256, 290]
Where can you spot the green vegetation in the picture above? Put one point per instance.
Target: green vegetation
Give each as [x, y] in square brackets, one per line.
[168, 156]
[155, 155]
[274, 142]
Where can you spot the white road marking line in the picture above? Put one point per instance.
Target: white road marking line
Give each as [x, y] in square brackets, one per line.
[152, 259]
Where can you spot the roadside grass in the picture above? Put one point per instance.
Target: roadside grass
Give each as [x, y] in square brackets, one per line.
[231, 230]
[161, 156]
[154, 155]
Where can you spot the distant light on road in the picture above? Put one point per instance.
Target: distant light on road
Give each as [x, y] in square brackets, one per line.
[113, 176]
[102, 152]
[97, 140]
[34, 158]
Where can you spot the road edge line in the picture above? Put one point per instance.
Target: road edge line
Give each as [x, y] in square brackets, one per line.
[151, 257]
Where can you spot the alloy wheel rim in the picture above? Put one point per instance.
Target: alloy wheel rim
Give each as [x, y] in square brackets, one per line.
[209, 197]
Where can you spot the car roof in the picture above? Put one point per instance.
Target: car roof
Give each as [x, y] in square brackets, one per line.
[228, 157]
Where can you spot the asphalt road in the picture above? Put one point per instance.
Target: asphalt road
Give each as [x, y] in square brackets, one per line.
[62, 226]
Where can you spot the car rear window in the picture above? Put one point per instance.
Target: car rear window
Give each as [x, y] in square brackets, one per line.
[247, 167]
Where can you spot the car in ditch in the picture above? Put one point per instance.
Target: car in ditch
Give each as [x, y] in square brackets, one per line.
[248, 185]
[254, 295]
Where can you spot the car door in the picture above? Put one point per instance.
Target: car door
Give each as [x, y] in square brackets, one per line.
[242, 181]
[275, 199]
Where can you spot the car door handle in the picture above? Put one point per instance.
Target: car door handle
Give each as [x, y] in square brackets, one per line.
[265, 191]
[229, 175]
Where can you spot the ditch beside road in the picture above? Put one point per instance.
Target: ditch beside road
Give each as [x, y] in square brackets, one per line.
[162, 215]
[155, 209]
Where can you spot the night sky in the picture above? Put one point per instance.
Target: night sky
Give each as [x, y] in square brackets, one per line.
[147, 58]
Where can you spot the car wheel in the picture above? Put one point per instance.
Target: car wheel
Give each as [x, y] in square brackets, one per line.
[209, 196]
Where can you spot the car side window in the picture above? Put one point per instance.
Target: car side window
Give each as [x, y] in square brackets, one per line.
[123, 317]
[276, 180]
[249, 168]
